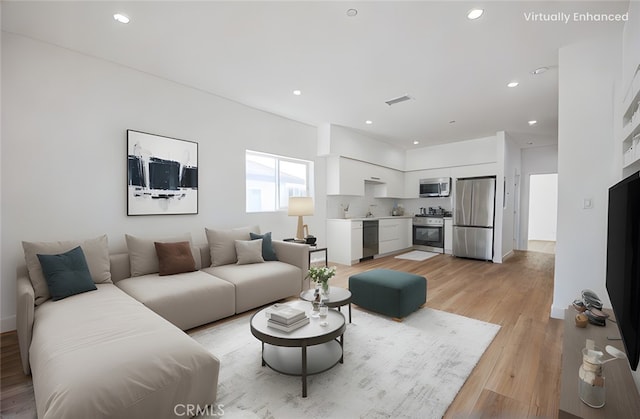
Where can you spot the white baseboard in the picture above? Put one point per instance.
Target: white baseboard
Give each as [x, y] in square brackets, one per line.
[508, 255]
[8, 324]
[557, 312]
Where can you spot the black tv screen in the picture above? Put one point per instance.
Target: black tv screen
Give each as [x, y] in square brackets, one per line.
[623, 256]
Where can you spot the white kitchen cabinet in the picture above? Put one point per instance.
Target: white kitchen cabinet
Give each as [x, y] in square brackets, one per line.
[344, 176]
[344, 241]
[356, 241]
[347, 177]
[392, 186]
[394, 234]
[448, 236]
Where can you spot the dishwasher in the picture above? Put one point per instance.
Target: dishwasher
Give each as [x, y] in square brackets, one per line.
[369, 239]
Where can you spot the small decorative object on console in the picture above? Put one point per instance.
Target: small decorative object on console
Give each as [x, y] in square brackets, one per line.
[590, 306]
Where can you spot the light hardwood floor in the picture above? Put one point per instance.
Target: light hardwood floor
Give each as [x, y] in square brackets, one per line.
[517, 377]
[543, 246]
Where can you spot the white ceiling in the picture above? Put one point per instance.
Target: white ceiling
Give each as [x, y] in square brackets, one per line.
[257, 53]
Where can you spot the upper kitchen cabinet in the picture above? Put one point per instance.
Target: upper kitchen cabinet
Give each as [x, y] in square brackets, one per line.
[344, 176]
[347, 177]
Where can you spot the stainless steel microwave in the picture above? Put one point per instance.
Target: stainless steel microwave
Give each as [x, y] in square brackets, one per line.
[435, 187]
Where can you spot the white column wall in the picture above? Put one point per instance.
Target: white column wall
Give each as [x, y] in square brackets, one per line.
[586, 150]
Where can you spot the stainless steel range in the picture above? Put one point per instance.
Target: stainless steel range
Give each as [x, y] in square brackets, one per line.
[428, 232]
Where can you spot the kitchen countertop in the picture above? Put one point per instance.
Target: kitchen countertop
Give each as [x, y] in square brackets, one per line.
[384, 217]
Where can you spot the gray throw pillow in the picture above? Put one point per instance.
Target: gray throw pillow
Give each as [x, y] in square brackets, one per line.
[222, 243]
[249, 251]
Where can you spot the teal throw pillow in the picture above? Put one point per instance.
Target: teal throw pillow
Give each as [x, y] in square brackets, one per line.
[268, 252]
[66, 274]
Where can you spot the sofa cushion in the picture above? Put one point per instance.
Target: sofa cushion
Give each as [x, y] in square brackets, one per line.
[96, 252]
[142, 253]
[187, 300]
[260, 283]
[222, 243]
[103, 354]
[66, 274]
[268, 252]
[175, 258]
[249, 251]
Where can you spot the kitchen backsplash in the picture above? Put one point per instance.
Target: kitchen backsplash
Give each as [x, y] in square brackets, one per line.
[380, 207]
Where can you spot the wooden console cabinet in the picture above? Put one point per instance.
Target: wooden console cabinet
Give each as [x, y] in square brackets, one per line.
[622, 398]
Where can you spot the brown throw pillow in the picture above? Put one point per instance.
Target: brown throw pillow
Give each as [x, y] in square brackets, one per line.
[175, 258]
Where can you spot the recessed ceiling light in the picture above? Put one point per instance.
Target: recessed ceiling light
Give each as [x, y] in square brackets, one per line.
[539, 70]
[475, 14]
[368, 122]
[352, 12]
[297, 92]
[121, 18]
[416, 142]
[533, 122]
[513, 84]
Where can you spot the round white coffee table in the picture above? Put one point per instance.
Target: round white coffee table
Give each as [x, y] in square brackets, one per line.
[309, 350]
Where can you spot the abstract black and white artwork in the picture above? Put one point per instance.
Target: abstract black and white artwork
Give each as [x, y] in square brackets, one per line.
[162, 175]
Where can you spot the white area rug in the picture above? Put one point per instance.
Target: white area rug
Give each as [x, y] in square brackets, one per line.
[412, 369]
[417, 255]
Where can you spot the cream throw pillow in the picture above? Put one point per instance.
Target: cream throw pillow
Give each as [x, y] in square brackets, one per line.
[249, 251]
[222, 243]
[96, 252]
[142, 253]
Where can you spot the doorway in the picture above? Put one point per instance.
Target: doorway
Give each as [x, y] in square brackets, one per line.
[543, 212]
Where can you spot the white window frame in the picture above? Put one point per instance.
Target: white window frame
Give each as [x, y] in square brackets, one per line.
[277, 190]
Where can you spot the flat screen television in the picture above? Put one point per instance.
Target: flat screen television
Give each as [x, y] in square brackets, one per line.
[623, 262]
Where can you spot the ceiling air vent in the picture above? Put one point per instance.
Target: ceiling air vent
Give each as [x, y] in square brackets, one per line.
[403, 98]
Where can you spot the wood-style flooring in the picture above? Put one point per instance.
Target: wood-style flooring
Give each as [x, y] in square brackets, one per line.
[517, 377]
[544, 246]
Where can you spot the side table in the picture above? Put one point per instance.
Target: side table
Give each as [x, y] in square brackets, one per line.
[338, 297]
[319, 249]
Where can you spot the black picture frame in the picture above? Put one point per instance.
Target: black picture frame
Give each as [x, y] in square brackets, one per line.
[162, 175]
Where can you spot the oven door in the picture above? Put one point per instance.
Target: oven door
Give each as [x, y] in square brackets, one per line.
[432, 236]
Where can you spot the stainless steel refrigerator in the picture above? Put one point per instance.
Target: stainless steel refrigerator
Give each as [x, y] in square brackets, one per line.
[474, 217]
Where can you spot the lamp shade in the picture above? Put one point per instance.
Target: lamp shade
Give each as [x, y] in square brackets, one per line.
[300, 205]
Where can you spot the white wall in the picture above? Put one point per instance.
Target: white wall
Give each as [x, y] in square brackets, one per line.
[461, 153]
[512, 169]
[587, 73]
[543, 207]
[535, 160]
[64, 122]
[340, 141]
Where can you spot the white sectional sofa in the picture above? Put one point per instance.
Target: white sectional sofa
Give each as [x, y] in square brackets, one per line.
[118, 351]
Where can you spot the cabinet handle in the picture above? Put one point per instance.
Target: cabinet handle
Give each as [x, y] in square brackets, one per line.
[375, 178]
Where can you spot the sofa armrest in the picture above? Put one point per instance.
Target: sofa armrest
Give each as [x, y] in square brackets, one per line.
[296, 254]
[24, 319]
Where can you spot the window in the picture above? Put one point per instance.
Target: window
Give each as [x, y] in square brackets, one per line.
[272, 179]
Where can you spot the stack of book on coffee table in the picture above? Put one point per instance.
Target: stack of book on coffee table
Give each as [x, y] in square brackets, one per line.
[286, 318]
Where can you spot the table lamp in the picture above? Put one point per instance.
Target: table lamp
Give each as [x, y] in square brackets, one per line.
[300, 206]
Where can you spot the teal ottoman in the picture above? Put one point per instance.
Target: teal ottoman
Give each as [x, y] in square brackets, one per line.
[392, 293]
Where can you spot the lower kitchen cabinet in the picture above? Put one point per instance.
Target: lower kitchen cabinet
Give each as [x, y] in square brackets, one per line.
[394, 234]
[344, 238]
[448, 236]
